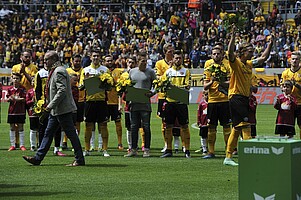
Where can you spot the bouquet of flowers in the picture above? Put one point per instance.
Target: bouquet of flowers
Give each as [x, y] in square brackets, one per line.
[122, 83]
[39, 110]
[218, 72]
[106, 81]
[162, 84]
[39, 107]
[237, 19]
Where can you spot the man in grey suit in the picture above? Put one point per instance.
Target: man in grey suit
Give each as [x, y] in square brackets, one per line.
[60, 107]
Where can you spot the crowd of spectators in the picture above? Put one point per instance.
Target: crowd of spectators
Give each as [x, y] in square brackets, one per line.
[71, 26]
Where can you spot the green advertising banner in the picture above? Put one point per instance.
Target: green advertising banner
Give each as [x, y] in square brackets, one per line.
[270, 168]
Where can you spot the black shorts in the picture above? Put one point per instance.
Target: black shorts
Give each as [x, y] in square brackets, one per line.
[253, 130]
[204, 132]
[298, 114]
[239, 109]
[16, 119]
[114, 113]
[80, 113]
[219, 112]
[176, 131]
[285, 130]
[34, 123]
[160, 111]
[127, 120]
[96, 111]
[177, 111]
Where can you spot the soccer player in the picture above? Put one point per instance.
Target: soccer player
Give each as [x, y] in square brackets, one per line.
[76, 68]
[96, 110]
[16, 111]
[114, 101]
[294, 74]
[239, 90]
[180, 77]
[160, 68]
[27, 70]
[216, 81]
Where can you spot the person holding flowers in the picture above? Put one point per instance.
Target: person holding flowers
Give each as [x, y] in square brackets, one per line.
[179, 76]
[239, 90]
[216, 81]
[96, 110]
[141, 112]
[114, 101]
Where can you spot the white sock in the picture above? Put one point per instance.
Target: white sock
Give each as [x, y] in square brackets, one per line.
[56, 149]
[62, 138]
[92, 139]
[22, 138]
[129, 138]
[176, 142]
[12, 137]
[203, 144]
[99, 141]
[33, 138]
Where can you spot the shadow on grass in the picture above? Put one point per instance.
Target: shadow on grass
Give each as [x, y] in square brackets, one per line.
[15, 186]
[28, 194]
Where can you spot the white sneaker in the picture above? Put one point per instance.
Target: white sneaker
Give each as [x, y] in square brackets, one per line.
[164, 149]
[146, 154]
[86, 153]
[229, 161]
[105, 153]
[131, 153]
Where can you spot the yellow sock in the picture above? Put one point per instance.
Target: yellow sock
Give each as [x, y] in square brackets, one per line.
[105, 135]
[186, 134]
[168, 137]
[246, 132]
[211, 139]
[88, 135]
[226, 131]
[119, 131]
[65, 138]
[232, 141]
[142, 136]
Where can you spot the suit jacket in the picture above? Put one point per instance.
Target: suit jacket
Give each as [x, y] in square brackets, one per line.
[60, 95]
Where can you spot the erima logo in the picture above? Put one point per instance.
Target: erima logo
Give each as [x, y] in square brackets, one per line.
[277, 151]
[258, 197]
[296, 150]
[261, 150]
[256, 150]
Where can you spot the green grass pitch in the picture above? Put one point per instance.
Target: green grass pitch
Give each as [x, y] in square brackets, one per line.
[117, 177]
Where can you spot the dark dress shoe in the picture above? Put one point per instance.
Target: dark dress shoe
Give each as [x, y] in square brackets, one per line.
[75, 164]
[31, 160]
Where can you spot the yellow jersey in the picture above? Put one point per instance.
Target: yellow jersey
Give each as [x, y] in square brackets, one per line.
[241, 78]
[160, 68]
[93, 70]
[31, 69]
[293, 76]
[214, 95]
[112, 94]
[179, 76]
[82, 94]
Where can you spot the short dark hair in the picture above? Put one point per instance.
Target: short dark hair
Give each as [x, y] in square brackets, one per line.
[177, 52]
[77, 56]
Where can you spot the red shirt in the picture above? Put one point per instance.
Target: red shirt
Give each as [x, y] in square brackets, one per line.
[30, 96]
[286, 110]
[16, 107]
[252, 106]
[202, 114]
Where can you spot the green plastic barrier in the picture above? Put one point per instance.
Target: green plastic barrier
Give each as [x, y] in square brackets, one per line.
[270, 168]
